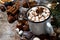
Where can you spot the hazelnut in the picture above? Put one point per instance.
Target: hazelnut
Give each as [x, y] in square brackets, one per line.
[26, 23]
[11, 19]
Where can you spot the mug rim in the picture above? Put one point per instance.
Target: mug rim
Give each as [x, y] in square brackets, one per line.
[41, 21]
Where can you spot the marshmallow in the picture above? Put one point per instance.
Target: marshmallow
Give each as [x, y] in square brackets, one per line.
[44, 10]
[47, 10]
[44, 14]
[29, 17]
[17, 29]
[36, 38]
[20, 32]
[35, 13]
[37, 19]
[33, 19]
[34, 8]
[48, 13]
[42, 19]
[40, 15]
[46, 17]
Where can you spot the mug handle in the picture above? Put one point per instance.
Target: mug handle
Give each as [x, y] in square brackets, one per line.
[49, 28]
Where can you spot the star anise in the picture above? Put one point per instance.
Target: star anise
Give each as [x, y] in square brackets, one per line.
[39, 10]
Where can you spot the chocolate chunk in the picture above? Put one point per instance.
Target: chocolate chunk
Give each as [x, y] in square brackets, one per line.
[26, 28]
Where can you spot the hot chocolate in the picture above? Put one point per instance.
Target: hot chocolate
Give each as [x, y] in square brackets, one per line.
[38, 13]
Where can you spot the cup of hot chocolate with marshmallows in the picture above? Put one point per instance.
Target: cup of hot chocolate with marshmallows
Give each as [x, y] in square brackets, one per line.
[39, 18]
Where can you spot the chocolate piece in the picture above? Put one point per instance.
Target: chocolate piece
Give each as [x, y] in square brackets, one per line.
[26, 28]
[22, 21]
[19, 27]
